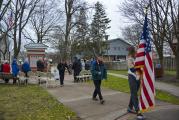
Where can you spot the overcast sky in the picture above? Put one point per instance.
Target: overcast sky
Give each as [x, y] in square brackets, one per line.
[117, 20]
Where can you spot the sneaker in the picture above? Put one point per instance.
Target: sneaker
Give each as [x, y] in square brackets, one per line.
[95, 99]
[140, 116]
[102, 101]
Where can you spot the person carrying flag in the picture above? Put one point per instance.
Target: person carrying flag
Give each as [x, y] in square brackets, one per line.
[134, 85]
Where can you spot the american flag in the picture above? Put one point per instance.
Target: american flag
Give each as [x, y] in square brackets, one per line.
[144, 60]
[10, 20]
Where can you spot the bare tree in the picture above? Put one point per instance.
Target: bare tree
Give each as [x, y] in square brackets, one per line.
[132, 34]
[81, 31]
[44, 19]
[22, 12]
[173, 33]
[71, 6]
[4, 44]
[4, 28]
[157, 14]
[3, 8]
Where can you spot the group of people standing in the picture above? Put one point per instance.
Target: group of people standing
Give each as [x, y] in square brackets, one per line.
[14, 68]
[77, 66]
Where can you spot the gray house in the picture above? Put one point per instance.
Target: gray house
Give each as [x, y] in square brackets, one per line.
[117, 50]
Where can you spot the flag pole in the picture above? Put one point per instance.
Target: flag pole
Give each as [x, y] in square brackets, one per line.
[141, 67]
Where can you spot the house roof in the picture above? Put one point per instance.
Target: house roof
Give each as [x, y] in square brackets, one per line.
[36, 46]
[119, 39]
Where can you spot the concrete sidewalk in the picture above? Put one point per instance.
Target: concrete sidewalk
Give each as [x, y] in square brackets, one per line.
[158, 85]
[77, 96]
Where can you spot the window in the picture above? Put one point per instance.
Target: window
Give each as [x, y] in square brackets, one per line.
[118, 48]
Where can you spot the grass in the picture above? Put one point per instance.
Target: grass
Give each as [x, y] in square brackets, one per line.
[168, 72]
[167, 97]
[30, 103]
[122, 85]
[116, 83]
[122, 72]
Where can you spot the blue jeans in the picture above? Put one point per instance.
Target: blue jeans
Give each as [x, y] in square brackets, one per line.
[134, 87]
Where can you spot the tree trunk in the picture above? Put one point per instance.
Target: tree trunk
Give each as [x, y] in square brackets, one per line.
[1, 3]
[162, 65]
[177, 47]
[177, 64]
[177, 61]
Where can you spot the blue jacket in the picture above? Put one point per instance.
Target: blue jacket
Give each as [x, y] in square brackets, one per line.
[98, 71]
[15, 68]
[26, 67]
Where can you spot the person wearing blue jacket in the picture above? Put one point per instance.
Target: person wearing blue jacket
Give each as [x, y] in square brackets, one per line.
[15, 70]
[99, 73]
[26, 68]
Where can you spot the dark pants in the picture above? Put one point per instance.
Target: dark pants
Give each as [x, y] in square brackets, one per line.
[97, 91]
[14, 79]
[26, 75]
[6, 80]
[134, 87]
[62, 74]
[76, 74]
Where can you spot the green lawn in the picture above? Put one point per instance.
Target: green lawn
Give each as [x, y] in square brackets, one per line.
[173, 73]
[121, 84]
[30, 103]
[167, 73]
[122, 72]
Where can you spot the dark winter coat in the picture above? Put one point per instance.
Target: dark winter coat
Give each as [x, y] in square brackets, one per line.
[98, 71]
[77, 66]
[61, 67]
[40, 66]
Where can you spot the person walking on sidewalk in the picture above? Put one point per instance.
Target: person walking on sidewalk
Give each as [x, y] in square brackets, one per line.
[61, 68]
[134, 85]
[99, 73]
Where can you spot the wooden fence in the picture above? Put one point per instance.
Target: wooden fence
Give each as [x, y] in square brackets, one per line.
[116, 65]
[168, 62]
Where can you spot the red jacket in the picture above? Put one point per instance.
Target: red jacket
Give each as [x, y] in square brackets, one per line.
[6, 68]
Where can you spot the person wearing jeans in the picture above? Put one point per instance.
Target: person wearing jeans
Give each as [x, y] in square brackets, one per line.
[134, 85]
[99, 73]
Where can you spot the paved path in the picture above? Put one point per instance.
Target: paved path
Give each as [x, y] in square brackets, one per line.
[159, 85]
[77, 96]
